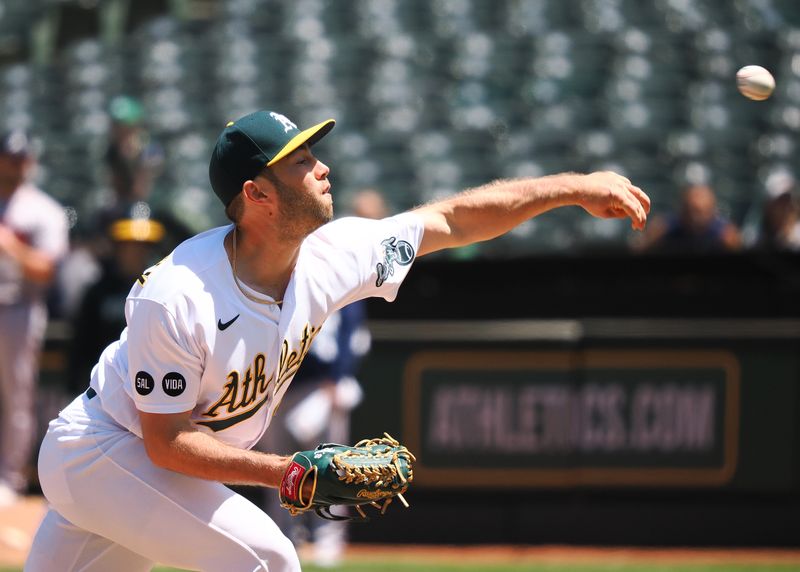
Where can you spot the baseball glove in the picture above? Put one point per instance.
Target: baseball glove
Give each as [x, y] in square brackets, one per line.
[372, 472]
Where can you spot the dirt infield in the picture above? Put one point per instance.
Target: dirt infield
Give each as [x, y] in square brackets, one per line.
[18, 524]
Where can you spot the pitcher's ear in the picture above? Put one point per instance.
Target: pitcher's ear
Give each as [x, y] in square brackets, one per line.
[253, 192]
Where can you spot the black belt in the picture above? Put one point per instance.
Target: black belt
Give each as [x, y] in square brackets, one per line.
[90, 393]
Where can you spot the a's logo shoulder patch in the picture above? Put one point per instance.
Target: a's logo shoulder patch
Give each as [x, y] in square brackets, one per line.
[173, 384]
[143, 383]
[394, 250]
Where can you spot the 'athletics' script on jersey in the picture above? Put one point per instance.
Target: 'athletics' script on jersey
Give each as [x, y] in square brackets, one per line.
[246, 393]
[290, 360]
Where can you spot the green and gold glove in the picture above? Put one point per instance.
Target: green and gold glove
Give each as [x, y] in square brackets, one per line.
[373, 471]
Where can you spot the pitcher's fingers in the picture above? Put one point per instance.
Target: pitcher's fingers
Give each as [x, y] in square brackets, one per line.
[641, 196]
[630, 203]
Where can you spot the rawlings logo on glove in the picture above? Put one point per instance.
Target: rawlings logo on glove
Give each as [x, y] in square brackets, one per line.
[370, 471]
[291, 483]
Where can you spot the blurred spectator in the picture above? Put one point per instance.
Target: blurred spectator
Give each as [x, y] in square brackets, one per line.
[33, 237]
[101, 314]
[780, 219]
[134, 162]
[697, 226]
[369, 203]
[318, 406]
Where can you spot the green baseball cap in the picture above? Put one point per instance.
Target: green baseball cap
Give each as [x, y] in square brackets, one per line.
[253, 142]
[125, 109]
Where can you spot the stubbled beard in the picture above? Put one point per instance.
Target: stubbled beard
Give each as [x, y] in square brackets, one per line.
[302, 213]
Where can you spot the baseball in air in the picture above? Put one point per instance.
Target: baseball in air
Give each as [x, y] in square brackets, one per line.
[755, 82]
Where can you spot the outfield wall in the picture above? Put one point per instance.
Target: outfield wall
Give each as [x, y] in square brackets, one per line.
[611, 400]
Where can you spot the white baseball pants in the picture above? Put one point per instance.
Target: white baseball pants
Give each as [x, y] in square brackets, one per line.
[21, 332]
[112, 509]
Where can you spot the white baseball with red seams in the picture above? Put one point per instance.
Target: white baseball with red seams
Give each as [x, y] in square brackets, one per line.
[755, 82]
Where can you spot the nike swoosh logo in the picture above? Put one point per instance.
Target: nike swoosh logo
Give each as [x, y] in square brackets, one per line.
[224, 325]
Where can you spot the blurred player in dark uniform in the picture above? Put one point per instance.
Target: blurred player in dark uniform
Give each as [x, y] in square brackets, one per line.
[134, 161]
[101, 314]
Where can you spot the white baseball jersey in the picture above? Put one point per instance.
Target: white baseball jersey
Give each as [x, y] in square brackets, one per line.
[39, 221]
[194, 343]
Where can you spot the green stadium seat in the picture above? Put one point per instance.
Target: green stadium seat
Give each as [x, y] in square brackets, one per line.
[432, 96]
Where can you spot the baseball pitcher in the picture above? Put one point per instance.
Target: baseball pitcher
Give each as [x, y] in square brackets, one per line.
[134, 468]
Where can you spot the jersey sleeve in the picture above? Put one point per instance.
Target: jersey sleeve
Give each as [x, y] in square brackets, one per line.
[52, 232]
[366, 257]
[164, 368]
